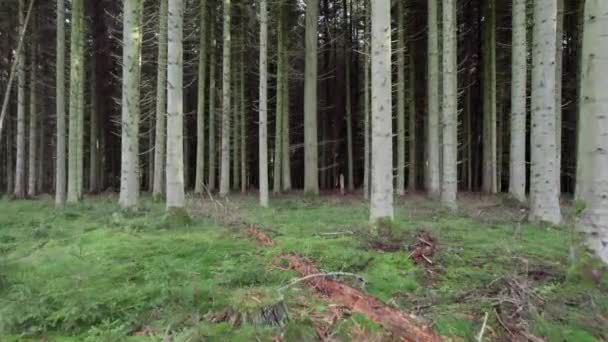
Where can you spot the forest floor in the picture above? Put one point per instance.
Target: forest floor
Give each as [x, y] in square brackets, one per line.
[233, 272]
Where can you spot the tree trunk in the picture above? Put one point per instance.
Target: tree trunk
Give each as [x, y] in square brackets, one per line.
[544, 195]
[20, 156]
[33, 128]
[94, 131]
[594, 132]
[401, 47]
[490, 169]
[382, 146]
[558, 90]
[212, 131]
[517, 174]
[226, 106]
[263, 114]
[200, 110]
[412, 173]
[60, 170]
[433, 170]
[243, 121]
[161, 103]
[175, 111]
[449, 179]
[311, 172]
[366, 105]
[285, 144]
[76, 101]
[278, 136]
[131, 74]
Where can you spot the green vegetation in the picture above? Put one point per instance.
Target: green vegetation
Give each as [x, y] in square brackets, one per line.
[94, 272]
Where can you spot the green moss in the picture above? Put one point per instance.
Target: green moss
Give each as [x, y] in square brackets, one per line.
[91, 271]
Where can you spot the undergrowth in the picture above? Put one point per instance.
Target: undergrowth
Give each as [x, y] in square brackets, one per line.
[93, 272]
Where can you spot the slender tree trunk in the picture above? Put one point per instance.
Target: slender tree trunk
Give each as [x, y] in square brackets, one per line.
[76, 102]
[33, 128]
[517, 175]
[278, 135]
[382, 147]
[200, 112]
[366, 105]
[449, 179]
[285, 143]
[412, 174]
[263, 114]
[401, 99]
[20, 157]
[433, 102]
[594, 107]
[236, 126]
[60, 167]
[175, 111]
[558, 89]
[311, 172]
[161, 104]
[131, 75]
[212, 130]
[243, 117]
[226, 106]
[490, 169]
[349, 130]
[544, 195]
[94, 131]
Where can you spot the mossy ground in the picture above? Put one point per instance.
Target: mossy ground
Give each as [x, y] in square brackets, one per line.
[93, 272]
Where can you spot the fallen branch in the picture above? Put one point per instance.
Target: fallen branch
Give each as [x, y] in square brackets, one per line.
[11, 76]
[327, 274]
[483, 328]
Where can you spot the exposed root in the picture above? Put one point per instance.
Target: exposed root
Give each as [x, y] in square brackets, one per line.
[403, 327]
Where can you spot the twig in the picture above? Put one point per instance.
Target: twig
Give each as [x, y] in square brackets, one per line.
[425, 242]
[483, 328]
[502, 323]
[427, 259]
[346, 232]
[317, 275]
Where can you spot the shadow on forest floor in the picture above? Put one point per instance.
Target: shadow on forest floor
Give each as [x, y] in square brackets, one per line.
[92, 272]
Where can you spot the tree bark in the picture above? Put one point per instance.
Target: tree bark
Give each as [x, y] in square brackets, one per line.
[382, 146]
[412, 172]
[161, 103]
[490, 168]
[544, 195]
[212, 130]
[131, 75]
[175, 110]
[432, 173]
[33, 127]
[449, 179]
[263, 114]
[20, 155]
[226, 104]
[517, 174]
[200, 110]
[311, 172]
[76, 102]
[594, 107]
[60, 167]
[401, 47]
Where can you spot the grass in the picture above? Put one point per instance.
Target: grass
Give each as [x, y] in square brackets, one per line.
[93, 272]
